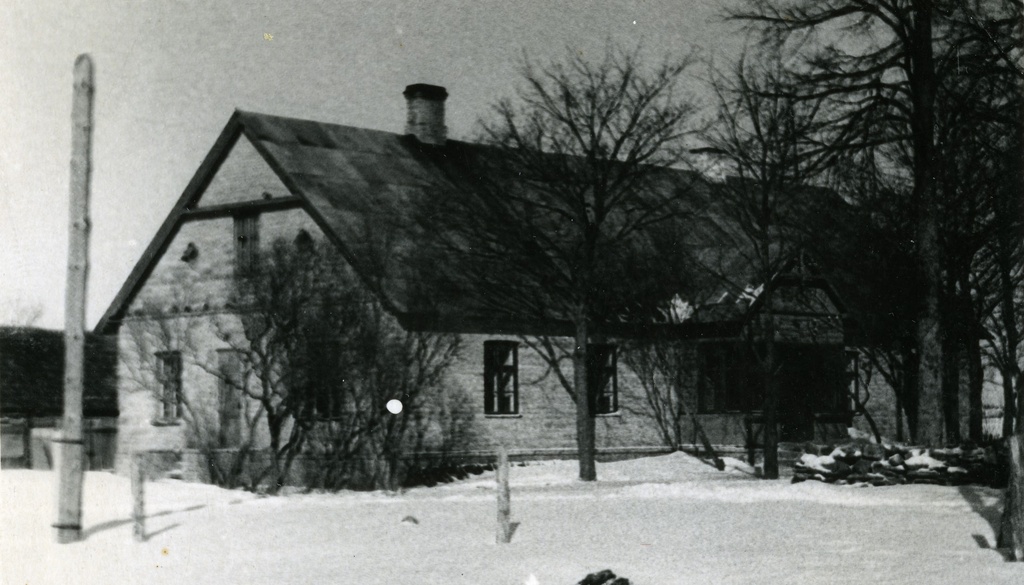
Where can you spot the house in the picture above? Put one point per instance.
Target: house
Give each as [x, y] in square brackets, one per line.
[32, 397]
[268, 177]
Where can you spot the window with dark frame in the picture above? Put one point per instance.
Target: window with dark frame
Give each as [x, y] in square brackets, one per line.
[247, 242]
[326, 400]
[852, 377]
[602, 378]
[728, 378]
[169, 377]
[501, 377]
[326, 404]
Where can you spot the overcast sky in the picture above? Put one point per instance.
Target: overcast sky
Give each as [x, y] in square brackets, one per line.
[170, 72]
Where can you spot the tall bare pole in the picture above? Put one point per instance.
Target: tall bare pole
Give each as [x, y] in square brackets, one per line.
[69, 504]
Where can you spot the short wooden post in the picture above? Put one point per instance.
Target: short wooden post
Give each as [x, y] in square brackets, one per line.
[26, 439]
[138, 472]
[504, 534]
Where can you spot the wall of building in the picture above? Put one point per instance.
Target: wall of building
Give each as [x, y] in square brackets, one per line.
[547, 413]
[881, 404]
[243, 175]
[185, 305]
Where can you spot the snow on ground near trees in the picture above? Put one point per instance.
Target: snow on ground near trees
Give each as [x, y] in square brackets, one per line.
[658, 521]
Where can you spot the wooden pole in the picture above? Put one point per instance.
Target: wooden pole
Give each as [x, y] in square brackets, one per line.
[138, 470]
[504, 534]
[69, 505]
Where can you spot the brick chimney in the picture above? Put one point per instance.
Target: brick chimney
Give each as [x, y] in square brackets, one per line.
[425, 119]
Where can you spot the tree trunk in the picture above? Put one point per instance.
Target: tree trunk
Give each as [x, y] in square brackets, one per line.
[771, 406]
[275, 456]
[899, 417]
[1015, 223]
[1013, 406]
[929, 332]
[911, 392]
[951, 384]
[584, 417]
[1011, 530]
[976, 382]
[1009, 412]
[1020, 403]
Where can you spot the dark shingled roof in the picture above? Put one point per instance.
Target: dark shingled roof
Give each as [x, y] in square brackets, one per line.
[32, 373]
[362, 187]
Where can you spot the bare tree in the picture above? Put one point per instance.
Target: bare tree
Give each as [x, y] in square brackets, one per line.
[357, 440]
[163, 344]
[307, 361]
[560, 221]
[889, 69]
[321, 350]
[998, 26]
[662, 366]
[877, 65]
[768, 134]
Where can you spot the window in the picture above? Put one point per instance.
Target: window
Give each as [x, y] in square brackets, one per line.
[602, 379]
[327, 387]
[229, 398]
[729, 378]
[168, 374]
[327, 403]
[247, 242]
[501, 377]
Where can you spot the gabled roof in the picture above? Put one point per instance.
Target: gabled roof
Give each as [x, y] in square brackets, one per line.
[357, 184]
[32, 373]
[362, 187]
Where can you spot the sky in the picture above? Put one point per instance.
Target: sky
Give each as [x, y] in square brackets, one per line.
[169, 73]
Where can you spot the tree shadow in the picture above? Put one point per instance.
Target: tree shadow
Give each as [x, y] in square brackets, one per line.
[111, 524]
[991, 512]
[150, 535]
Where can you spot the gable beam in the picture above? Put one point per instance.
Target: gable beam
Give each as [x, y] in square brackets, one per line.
[108, 323]
[228, 209]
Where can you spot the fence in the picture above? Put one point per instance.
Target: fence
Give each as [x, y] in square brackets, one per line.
[26, 443]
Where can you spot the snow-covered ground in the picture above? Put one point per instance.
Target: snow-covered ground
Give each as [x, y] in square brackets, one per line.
[658, 521]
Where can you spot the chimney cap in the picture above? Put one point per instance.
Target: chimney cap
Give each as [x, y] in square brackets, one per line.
[425, 91]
